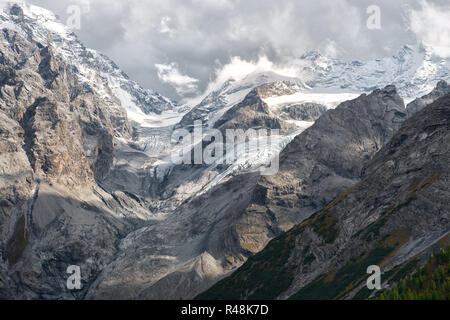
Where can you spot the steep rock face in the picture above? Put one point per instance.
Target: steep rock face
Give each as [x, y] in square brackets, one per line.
[183, 254]
[140, 169]
[304, 111]
[56, 140]
[75, 189]
[232, 92]
[320, 163]
[40, 92]
[16, 184]
[53, 144]
[91, 68]
[442, 89]
[253, 112]
[399, 210]
[235, 219]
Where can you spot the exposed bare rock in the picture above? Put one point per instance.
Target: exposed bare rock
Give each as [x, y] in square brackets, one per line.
[53, 144]
[16, 185]
[320, 163]
[56, 140]
[232, 92]
[80, 185]
[253, 112]
[277, 88]
[193, 248]
[304, 111]
[399, 210]
[238, 217]
[442, 89]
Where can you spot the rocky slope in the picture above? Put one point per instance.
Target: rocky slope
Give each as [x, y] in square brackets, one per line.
[236, 218]
[90, 67]
[57, 142]
[81, 184]
[442, 89]
[320, 163]
[253, 112]
[398, 210]
[75, 181]
[303, 111]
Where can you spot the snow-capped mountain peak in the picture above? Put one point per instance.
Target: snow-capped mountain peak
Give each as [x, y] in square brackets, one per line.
[414, 70]
[92, 68]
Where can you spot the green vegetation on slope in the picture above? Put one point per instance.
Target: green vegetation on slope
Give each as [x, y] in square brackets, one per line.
[336, 284]
[264, 275]
[267, 274]
[392, 276]
[332, 285]
[431, 282]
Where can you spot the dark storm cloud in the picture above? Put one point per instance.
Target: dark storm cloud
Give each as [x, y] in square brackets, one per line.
[185, 41]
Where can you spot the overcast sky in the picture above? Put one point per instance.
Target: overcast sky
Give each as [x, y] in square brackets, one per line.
[176, 47]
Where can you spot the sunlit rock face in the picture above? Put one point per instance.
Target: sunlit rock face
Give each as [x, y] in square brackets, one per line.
[86, 176]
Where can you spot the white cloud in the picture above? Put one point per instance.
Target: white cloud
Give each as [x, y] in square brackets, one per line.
[329, 49]
[195, 34]
[164, 26]
[238, 68]
[170, 74]
[431, 26]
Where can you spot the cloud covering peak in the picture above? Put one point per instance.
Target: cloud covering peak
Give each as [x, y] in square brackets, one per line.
[178, 47]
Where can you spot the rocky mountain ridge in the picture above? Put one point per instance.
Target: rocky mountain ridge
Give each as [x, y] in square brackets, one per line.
[57, 144]
[89, 66]
[397, 211]
[268, 206]
[84, 181]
